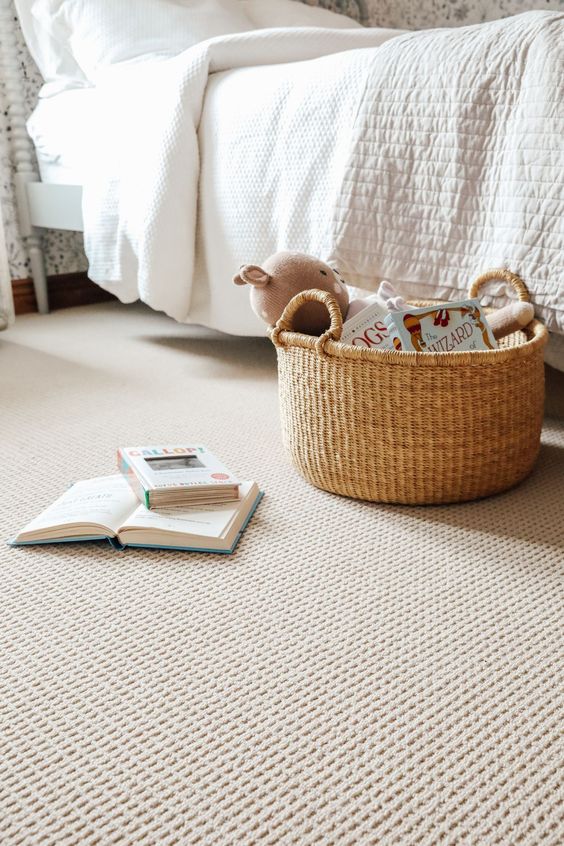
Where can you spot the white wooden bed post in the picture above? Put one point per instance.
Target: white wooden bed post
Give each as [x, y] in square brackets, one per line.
[363, 15]
[22, 147]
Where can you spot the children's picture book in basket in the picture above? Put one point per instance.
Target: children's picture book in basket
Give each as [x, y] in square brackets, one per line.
[430, 425]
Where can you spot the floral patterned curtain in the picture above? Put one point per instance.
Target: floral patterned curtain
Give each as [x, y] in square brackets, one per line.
[6, 302]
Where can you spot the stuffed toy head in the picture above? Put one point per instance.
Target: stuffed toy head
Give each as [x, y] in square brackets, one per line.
[284, 275]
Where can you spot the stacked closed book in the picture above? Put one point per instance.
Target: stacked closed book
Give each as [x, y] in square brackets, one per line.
[177, 476]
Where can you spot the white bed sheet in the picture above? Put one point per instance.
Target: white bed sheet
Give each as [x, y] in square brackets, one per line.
[63, 129]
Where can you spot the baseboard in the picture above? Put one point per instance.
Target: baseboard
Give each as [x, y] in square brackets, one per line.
[65, 290]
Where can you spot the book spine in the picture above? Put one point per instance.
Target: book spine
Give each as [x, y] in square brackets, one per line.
[135, 483]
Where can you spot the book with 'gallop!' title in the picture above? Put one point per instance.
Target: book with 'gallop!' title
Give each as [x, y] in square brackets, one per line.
[177, 475]
[107, 507]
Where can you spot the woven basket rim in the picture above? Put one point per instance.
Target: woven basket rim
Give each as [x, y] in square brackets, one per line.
[537, 336]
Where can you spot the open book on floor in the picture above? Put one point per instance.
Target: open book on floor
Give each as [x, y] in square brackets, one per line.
[106, 507]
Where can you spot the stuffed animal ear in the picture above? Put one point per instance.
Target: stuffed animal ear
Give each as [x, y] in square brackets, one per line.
[252, 274]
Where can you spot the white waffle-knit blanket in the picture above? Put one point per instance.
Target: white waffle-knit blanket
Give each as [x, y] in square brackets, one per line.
[140, 201]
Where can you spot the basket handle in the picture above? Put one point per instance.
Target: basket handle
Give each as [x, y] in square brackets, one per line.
[284, 323]
[503, 275]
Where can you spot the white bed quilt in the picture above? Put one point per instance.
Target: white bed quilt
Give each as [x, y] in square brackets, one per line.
[457, 162]
[425, 190]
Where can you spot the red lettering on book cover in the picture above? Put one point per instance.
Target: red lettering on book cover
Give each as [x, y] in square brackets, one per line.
[372, 336]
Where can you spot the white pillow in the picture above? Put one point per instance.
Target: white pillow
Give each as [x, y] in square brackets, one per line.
[55, 63]
[103, 32]
[279, 13]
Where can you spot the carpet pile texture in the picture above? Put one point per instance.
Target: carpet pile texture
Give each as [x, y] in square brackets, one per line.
[353, 674]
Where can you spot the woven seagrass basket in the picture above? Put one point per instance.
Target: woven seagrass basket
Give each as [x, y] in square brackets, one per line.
[410, 427]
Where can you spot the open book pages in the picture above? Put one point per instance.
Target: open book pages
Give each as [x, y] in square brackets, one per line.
[107, 507]
[166, 476]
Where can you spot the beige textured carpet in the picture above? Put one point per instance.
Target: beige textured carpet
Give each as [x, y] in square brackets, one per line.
[354, 674]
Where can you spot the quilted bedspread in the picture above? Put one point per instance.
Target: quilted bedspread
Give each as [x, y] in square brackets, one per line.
[443, 154]
[457, 162]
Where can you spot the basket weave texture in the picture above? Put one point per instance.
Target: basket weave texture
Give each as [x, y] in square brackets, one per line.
[410, 427]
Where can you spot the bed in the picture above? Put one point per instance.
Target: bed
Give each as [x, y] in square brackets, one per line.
[182, 165]
[63, 130]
